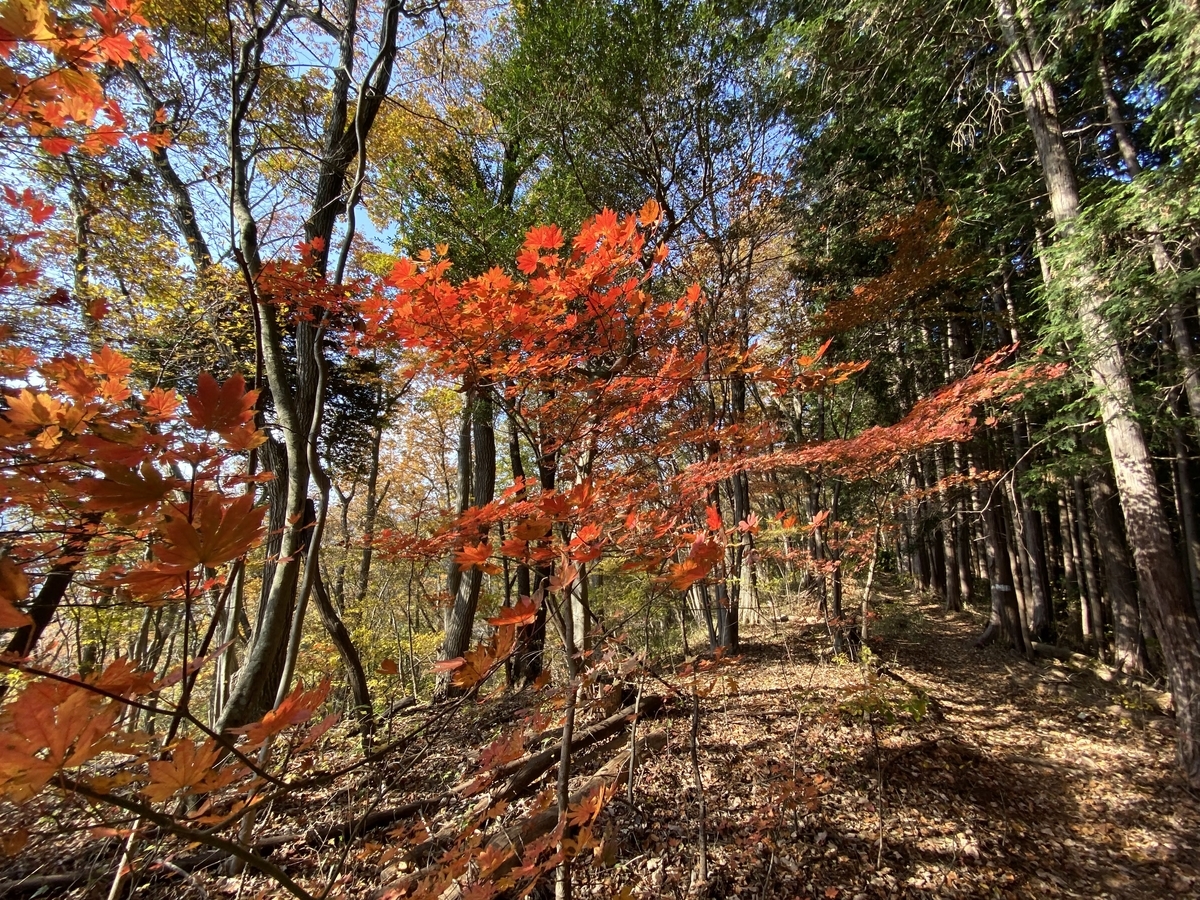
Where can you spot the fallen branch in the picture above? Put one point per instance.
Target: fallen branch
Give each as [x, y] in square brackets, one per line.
[504, 849]
[317, 836]
[521, 773]
[37, 882]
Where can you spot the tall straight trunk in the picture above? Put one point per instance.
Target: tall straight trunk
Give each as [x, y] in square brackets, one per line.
[483, 489]
[528, 658]
[1032, 542]
[728, 615]
[923, 564]
[454, 574]
[524, 589]
[1005, 614]
[1015, 548]
[1072, 564]
[952, 588]
[1128, 651]
[1187, 511]
[1093, 617]
[962, 532]
[1160, 576]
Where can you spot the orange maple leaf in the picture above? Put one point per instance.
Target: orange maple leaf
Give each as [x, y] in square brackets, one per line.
[14, 586]
[713, 517]
[523, 613]
[189, 770]
[297, 708]
[219, 530]
[125, 490]
[160, 405]
[223, 408]
[473, 555]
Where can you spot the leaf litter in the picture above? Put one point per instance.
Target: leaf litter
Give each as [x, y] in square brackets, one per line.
[932, 770]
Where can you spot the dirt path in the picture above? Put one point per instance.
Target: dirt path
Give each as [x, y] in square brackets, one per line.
[1019, 780]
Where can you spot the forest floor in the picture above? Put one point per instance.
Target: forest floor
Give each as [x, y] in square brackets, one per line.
[937, 770]
[1020, 780]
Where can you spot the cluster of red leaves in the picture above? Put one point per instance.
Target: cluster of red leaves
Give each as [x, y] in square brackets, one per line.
[57, 85]
[52, 93]
[923, 262]
[82, 454]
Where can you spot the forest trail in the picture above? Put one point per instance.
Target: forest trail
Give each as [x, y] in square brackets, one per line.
[1022, 780]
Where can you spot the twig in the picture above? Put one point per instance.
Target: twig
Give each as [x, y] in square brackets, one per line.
[124, 861]
[879, 777]
[703, 873]
[169, 824]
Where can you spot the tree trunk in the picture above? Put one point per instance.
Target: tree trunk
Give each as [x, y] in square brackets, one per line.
[952, 593]
[1005, 614]
[1187, 512]
[371, 502]
[1129, 652]
[1093, 616]
[482, 450]
[1014, 547]
[356, 676]
[1072, 565]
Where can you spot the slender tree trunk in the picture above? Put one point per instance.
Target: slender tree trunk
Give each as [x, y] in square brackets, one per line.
[1005, 613]
[483, 466]
[371, 502]
[1072, 565]
[454, 573]
[953, 587]
[1129, 652]
[351, 661]
[1093, 616]
[1015, 547]
[1187, 512]
[1032, 544]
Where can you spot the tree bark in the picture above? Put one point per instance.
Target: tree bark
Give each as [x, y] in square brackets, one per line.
[1129, 652]
[952, 593]
[1187, 511]
[1093, 616]
[371, 502]
[482, 452]
[356, 676]
[1005, 612]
